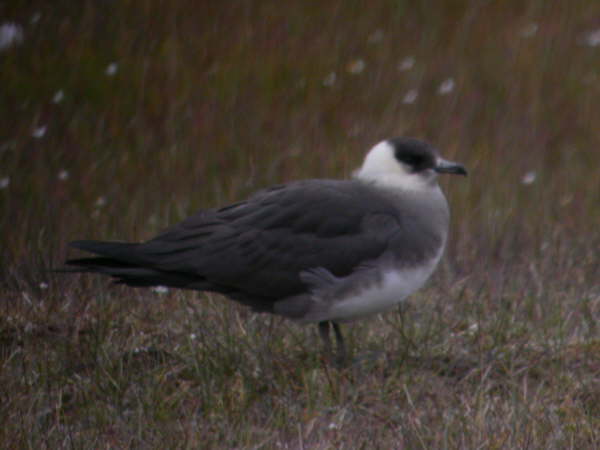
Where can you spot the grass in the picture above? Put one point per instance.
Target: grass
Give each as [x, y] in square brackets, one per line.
[500, 350]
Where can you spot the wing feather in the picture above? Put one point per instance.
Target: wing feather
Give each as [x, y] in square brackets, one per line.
[261, 246]
[255, 251]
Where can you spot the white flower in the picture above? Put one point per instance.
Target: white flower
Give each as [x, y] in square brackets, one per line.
[58, 96]
[376, 37]
[111, 69]
[63, 175]
[529, 178]
[39, 132]
[160, 289]
[410, 97]
[4, 182]
[473, 328]
[10, 34]
[529, 30]
[446, 87]
[43, 285]
[329, 80]
[406, 64]
[100, 201]
[592, 38]
[356, 66]
[193, 336]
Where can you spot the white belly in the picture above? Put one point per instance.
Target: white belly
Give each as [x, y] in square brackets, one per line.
[394, 287]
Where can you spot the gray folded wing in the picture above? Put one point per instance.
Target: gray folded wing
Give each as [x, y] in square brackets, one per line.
[255, 251]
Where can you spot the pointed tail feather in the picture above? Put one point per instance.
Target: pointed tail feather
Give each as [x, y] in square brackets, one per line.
[125, 251]
[121, 261]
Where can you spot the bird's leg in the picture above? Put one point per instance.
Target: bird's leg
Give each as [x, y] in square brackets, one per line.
[341, 347]
[324, 333]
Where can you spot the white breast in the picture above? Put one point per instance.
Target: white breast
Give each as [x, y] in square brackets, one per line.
[394, 287]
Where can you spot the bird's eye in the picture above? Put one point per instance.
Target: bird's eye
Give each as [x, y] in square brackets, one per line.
[411, 159]
[414, 160]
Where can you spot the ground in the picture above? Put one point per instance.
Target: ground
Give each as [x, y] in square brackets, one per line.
[120, 118]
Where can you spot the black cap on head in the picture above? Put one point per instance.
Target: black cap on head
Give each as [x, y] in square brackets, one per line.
[415, 154]
[419, 156]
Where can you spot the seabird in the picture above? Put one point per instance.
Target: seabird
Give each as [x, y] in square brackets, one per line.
[320, 250]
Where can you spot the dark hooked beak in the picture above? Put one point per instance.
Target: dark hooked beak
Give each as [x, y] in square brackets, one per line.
[444, 166]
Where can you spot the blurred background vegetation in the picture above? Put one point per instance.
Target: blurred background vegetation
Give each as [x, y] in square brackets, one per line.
[119, 118]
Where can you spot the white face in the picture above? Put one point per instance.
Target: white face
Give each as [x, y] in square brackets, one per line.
[382, 168]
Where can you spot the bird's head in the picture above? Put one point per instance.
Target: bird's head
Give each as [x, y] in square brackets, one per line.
[405, 163]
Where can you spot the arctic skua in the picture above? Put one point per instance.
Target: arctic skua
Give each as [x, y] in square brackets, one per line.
[321, 250]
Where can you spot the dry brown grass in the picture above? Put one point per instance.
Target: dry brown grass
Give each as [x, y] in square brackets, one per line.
[209, 103]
